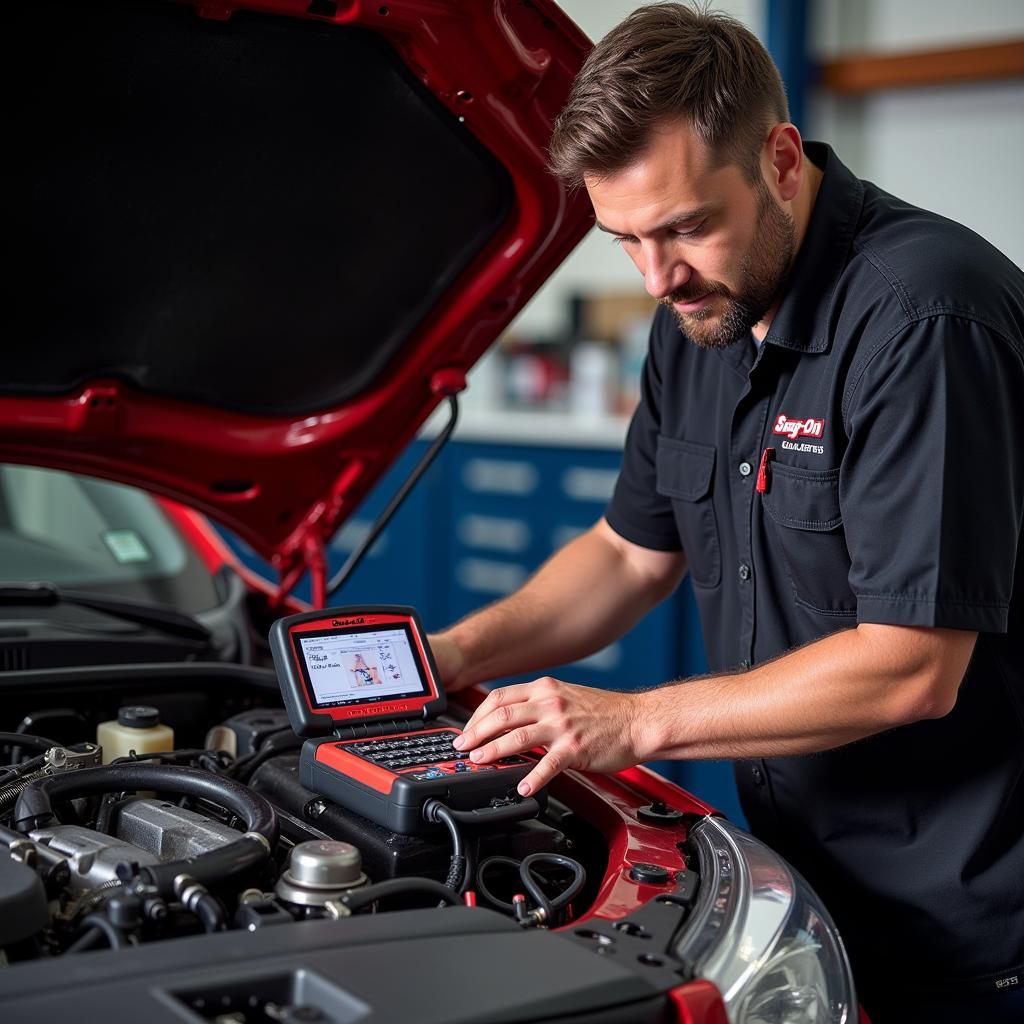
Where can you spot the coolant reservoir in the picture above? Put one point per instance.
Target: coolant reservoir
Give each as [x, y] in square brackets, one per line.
[136, 728]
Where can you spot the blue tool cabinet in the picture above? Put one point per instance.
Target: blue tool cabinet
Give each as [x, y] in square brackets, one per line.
[479, 522]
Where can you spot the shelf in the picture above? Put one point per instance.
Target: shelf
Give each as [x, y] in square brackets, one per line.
[863, 73]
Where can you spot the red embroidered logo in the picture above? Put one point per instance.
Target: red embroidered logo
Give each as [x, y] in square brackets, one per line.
[798, 428]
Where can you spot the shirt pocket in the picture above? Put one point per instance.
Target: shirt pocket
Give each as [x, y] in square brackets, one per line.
[805, 519]
[684, 472]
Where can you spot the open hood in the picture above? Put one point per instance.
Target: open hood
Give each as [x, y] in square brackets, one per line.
[256, 243]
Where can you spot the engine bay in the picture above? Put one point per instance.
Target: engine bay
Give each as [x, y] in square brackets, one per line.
[158, 844]
[206, 882]
[217, 833]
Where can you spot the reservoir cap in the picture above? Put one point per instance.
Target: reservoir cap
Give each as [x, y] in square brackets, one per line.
[138, 716]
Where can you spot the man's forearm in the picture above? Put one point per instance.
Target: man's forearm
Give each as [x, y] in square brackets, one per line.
[842, 688]
[585, 596]
[836, 690]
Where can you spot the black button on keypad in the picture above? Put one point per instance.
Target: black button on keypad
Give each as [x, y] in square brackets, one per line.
[406, 751]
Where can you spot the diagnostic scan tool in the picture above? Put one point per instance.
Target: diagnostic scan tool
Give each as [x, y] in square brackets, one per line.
[362, 685]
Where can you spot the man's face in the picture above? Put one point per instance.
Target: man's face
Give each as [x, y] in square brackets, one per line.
[711, 246]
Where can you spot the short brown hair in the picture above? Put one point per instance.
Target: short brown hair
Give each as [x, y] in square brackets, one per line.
[668, 61]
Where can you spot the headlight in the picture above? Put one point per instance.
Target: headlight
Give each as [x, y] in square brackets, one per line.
[762, 936]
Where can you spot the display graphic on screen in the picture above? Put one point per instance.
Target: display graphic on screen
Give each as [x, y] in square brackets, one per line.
[361, 666]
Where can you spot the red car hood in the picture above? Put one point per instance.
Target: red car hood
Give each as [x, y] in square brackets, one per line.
[258, 242]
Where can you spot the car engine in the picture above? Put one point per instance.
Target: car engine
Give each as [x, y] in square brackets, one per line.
[219, 835]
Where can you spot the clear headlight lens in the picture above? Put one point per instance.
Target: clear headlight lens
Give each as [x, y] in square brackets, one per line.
[759, 932]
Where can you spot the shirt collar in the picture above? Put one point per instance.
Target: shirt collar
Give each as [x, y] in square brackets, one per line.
[802, 317]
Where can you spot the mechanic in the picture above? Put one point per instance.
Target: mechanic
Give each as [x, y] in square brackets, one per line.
[829, 438]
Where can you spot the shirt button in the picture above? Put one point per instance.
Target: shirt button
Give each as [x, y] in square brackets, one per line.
[758, 775]
[746, 469]
[745, 664]
[744, 571]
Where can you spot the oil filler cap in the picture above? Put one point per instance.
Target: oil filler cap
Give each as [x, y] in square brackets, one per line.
[650, 874]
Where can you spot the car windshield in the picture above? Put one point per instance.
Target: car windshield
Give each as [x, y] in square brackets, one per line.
[81, 533]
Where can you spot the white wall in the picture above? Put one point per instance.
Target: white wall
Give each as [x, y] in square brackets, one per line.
[957, 150]
[848, 26]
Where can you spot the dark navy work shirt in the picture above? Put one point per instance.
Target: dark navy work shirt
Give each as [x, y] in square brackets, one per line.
[891, 390]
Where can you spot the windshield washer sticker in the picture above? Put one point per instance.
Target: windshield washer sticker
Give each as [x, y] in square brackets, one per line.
[798, 428]
[126, 546]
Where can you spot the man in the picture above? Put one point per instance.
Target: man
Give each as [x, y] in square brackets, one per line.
[829, 439]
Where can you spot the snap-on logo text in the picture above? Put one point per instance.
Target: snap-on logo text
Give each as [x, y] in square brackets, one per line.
[798, 428]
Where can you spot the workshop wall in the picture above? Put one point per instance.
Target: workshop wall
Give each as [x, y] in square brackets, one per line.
[956, 149]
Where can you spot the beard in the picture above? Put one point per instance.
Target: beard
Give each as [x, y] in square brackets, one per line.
[761, 271]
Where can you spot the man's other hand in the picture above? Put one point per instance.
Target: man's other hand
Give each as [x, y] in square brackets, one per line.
[578, 727]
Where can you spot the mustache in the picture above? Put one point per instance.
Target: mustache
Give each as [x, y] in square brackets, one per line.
[695, 290]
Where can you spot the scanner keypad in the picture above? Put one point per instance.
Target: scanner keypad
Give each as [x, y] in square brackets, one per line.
[421, 750]
[412, 749]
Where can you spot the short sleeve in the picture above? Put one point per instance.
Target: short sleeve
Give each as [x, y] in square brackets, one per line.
[932, 482]
[636, 510]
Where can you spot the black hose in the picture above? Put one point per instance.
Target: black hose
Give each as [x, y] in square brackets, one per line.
[35, 810]
[163, 756]
[114, 935]
[8, 836]
[481, 885]
[562, 899]
[209, 911]
[20, 770]
[515, 811]
[468, 869]
[529, 880]
[85, 941]
[24, 739]
[356, 899]
[433, 811]
[211, 869]
[109, 803]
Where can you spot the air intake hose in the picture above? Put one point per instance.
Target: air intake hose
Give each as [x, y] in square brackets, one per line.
[35, 810]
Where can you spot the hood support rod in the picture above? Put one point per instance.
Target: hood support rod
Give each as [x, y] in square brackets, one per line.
[342, 575]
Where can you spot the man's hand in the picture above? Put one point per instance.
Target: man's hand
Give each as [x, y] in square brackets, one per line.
[851, 684]
[578, 726]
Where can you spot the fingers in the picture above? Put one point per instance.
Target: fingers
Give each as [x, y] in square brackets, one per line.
[515, 742]
[547, 768]
[525, 738]
[514, 719]
[492, 716]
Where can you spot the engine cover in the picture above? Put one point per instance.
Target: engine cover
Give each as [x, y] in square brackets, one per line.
[148, 832]
[170, 832]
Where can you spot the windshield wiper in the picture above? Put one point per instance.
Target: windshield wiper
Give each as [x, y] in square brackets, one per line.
[157, 616]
